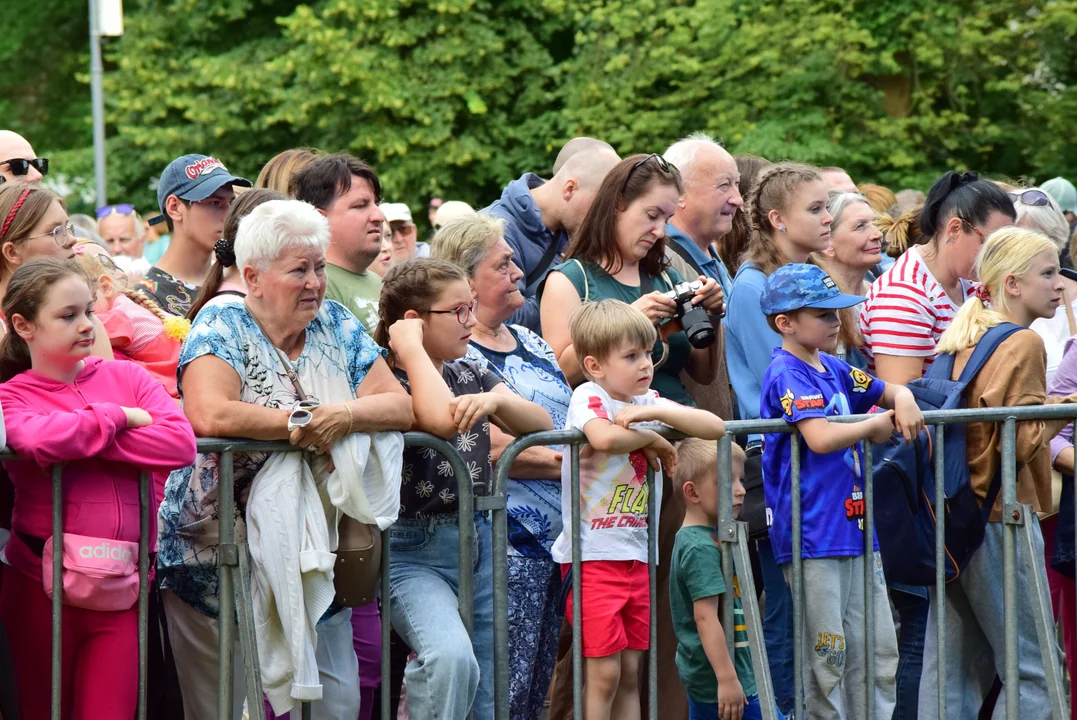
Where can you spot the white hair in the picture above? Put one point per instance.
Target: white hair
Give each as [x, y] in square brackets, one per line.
[838, 201]
[1047, 219]
[275, 225]
[682, 154]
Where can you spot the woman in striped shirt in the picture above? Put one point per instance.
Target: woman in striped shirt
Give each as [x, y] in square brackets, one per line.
[913, 302]
[908, 308]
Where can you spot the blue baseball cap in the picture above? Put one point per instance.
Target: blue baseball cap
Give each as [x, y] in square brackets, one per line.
[193, 178]
[796, 286]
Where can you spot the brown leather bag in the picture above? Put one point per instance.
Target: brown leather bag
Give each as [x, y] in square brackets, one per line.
[358, 566]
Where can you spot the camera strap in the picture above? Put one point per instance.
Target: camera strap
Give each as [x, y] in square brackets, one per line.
[646, 287]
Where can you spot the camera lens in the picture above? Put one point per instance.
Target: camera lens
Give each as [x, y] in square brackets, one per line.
[697, 326]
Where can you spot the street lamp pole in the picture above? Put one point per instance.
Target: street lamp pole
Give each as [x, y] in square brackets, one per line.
[97, 97]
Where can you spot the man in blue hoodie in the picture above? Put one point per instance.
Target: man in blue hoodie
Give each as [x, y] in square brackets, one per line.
[539, 215]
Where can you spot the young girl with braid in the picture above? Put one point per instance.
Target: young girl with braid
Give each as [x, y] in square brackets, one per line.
[137, 328]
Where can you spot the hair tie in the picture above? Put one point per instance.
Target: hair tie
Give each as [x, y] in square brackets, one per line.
[982, 293]
[15, 209]
[226, 255]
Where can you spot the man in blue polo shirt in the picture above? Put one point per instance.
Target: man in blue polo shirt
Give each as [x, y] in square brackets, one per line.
[705, 216]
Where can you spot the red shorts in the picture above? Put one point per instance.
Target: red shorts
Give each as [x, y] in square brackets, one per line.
[616, 606]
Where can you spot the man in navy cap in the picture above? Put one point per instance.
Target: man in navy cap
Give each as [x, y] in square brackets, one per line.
[194, 193]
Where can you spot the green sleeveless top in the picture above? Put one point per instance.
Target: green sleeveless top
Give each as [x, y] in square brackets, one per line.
[593, 283]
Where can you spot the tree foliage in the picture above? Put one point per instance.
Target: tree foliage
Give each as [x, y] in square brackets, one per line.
[456, 97]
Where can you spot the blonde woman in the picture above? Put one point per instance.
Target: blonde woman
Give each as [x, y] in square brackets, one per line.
[1018, 269]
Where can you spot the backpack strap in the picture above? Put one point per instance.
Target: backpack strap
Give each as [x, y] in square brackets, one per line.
[538, 272]
[987, 345]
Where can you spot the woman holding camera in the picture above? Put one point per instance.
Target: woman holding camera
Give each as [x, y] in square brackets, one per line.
[619, 252]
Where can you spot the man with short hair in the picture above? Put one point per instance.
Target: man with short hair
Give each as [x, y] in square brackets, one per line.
[194, 194]
[576, 146]
[837, 179]
[124, 234]
[539, 217]
[18, 161]
[405, 235]
[347, 191]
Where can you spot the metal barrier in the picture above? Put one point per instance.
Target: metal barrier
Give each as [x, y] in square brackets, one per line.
[234, 566]
[735, 559]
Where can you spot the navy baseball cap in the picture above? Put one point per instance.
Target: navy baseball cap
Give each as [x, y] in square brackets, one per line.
[796, 286]
[193, 178]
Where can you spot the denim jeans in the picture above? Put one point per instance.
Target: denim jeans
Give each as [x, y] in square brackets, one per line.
[709, 711]
[777, 627]
[451, 674]
[912, 608]
[975, 639]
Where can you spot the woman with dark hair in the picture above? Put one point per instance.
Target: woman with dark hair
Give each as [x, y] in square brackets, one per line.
[224, 277]
[619, 252]
[733, 245]
[908, 309]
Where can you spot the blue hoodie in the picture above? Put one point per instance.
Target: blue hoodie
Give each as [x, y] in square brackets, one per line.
[529, 240]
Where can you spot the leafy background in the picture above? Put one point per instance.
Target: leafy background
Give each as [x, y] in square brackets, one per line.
[457, 97]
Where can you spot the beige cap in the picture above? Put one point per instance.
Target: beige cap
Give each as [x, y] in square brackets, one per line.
[396, 212]
[452, 210]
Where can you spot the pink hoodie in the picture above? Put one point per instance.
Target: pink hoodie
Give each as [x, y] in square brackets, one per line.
[83, 425]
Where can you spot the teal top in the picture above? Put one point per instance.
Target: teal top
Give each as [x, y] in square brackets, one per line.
[592, 283]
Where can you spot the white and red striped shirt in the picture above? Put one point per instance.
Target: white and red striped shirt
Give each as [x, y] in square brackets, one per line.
[907, 311]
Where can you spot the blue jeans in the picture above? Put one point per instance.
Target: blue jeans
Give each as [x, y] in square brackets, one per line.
[912, 610]
[709, 711]
[778, 627]
[451, 675]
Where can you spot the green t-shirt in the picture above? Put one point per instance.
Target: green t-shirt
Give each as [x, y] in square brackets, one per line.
[695, 573]
[359, 292]
[592, 283]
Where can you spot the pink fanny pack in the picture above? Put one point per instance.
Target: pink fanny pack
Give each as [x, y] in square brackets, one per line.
[98, 574]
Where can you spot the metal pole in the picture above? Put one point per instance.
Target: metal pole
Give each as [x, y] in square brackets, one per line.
[798, 579]
[226, 550]
[725, 520]
[940, 564]
[1010, 679]
[652, 578]
[577, 569]
[386, 591]
[97, 98]
[143, 588]
[869, 586]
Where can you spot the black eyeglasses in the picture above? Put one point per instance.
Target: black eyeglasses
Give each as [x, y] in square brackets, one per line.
[1035, 198]
[663, 165]
[21, 166]
[462, 313]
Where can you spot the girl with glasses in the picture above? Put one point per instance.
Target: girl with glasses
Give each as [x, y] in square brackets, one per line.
[426, 320]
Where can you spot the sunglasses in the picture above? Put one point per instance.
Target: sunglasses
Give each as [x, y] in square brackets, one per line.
[1035, 198]
[125, 209]
[21, 166]
[462, 313]
[663, 165]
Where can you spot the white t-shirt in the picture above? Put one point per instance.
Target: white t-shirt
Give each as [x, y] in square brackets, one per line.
[613, 488]
[907, 311]
[1055, 331]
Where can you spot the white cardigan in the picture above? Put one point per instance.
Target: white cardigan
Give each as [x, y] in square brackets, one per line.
[292, 516]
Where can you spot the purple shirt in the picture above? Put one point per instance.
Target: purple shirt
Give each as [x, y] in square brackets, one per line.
[1065, 383]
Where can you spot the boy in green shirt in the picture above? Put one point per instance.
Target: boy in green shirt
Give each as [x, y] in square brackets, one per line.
[718, 687]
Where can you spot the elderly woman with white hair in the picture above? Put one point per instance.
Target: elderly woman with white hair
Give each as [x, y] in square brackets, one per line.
[1038, 210]
[238, 373]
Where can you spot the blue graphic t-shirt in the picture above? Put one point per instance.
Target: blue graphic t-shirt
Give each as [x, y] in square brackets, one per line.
[831, 485]
[532, 372]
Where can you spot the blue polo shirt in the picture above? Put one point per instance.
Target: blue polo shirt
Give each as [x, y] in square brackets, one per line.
[708, 261]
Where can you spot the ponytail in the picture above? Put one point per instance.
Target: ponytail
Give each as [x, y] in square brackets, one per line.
[1009, 251]
[902, 232]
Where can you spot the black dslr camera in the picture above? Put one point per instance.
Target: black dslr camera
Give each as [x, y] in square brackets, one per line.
[697, 325]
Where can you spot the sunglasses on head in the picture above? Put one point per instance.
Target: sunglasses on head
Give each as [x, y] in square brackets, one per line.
[1036, 198]
[663, 165]
[107, 210]
[21, 166]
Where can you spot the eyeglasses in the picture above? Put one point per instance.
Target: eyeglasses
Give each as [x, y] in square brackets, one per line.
[663, 165]
[21, 166]
[973, 228]
[462, 313]
[401, 228]
[59, 234]
[125, 209]
[1035, 198]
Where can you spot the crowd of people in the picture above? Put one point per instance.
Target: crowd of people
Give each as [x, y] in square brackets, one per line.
[621, 296]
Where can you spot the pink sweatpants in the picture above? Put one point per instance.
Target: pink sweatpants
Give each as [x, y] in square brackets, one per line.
[100, 654]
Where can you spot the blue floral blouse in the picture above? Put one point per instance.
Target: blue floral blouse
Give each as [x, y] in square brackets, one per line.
[531, 371]
[336, 344]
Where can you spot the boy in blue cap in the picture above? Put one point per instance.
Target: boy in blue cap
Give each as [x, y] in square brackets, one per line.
[805, 385]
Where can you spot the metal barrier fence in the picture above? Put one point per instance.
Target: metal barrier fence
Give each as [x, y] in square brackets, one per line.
[234, 566]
